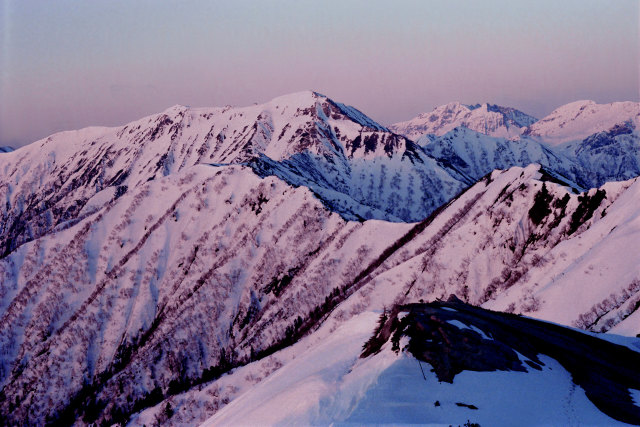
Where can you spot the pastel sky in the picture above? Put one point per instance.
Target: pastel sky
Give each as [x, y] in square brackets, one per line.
[70, 64]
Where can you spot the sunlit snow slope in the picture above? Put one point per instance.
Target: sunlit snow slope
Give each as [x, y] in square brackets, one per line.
[446, 364]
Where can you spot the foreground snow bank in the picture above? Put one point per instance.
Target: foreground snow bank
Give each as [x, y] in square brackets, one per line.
[326, 382]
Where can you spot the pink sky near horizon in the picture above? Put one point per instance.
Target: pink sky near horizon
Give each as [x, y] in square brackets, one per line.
[70, 64]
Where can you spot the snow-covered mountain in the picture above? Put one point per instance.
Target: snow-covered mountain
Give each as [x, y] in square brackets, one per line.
[6, 149]
[586, 143]
[158, 272]
[571, 122]
[164, 285]
[357, 167]
[475, 154]
[608, 155]
[162, 289]
[488, 119]
[580, 119]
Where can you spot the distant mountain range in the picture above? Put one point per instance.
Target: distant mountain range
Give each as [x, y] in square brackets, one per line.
[586, 143]
[219, 263]
[571, 122]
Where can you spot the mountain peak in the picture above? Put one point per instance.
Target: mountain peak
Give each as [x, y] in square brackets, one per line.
[577, 104]
[579, 119]
[176, 108]
[301, 98]
[490, 119]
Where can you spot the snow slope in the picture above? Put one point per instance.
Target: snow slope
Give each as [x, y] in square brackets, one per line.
[580, 119]
[310, 386]
[355, 166]
[329, 383]
[486, 248]
[610, 155]
[488, 119]
[211, 267]
[159, 284]
[584, 142]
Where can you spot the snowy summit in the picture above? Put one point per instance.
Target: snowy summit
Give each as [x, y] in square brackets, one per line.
[488, 119]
